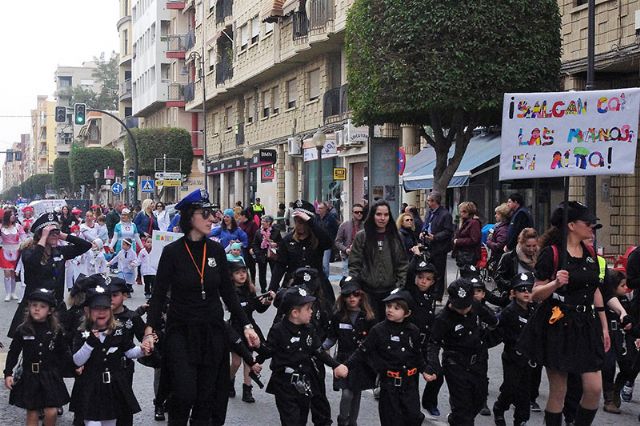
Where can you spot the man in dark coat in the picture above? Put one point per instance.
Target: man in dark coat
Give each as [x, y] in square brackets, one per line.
[437, 232]
[520, 219]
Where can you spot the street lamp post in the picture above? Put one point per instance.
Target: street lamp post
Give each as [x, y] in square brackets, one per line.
[96, 176]
[196, 56]
[319, 139]
[247, 153]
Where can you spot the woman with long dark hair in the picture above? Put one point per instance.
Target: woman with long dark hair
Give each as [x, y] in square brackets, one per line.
[378, 256]
[195, 353]
[66, 220]
[44, 262]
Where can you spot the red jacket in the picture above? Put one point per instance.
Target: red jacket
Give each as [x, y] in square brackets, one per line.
[469, 236]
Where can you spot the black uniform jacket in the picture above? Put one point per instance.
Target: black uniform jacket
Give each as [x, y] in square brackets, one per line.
[177, 274]
[423, 314]
[49, 274]
[460, 336]
[40, 345]
[292, 346]
[294, 254]
[392, 346]
[349, 335]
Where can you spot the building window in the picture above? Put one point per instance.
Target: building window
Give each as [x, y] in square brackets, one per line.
[212, 5]
[266, 103]
[244, 37]
[64, 82]
[228, 118]
[255, 30]
[212, 59]
[581, 2]
[268, 28]
[292, 93]
[249, 109]
[214, 123]
[313, 83]
[275, 100]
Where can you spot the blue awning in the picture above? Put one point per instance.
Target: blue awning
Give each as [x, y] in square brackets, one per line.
[481, 149]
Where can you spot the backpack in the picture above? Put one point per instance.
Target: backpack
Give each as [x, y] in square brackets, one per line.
[602, 263]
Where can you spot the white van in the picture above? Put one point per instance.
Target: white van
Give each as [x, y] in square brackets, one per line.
[45, 206]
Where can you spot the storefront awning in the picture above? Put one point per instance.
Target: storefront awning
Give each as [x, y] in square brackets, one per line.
[481, 149]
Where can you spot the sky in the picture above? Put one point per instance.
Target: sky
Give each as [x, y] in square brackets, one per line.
[38, 36]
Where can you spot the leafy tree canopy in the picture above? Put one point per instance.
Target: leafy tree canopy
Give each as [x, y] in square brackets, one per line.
[154, 143]
[61, 174]
[448, 63]
[33, 187]
[83, 162]
[107, 73]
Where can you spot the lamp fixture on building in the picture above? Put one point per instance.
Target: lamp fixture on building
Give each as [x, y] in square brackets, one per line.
[247, 153]
[319, 139]
[96, 176]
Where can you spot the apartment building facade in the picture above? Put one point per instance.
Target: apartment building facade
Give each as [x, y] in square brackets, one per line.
[67, 78]
[42, 153]
[617, 51]
[15, 160]
[274, 73]
[162, 32]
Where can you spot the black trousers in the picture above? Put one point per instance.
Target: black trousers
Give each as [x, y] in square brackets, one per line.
[149, 281]
[251, 266]
[467, 391]
[199, 391]
[517, 375]
[319, 404]
[439, 262]
[262, 274]
[534, 384]
[293, 408]
[431, 391]
[400, 405]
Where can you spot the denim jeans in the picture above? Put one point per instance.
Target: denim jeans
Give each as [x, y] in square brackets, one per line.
[326, 260]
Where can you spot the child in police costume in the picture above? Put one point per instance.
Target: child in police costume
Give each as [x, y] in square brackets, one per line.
[423, 315]
[40, 340]
[393, 350]
[250, 303]
[350, 325]
[102, 393]
[517, 369]
[458, 330]
[292, 343]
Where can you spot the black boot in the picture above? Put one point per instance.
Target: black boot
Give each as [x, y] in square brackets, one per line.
[584, 417]
[342, 421]
[552, 419]
[232, 388]
[246, 393]
[158, 412]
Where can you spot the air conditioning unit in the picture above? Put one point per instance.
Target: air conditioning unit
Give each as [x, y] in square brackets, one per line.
[637, 23]
[294, 146]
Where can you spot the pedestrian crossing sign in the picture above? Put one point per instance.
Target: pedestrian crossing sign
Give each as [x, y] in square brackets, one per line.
[147, 185]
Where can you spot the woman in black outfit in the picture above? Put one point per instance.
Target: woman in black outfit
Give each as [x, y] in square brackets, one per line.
[264, 248]
[304, 246]
[566, 334]
[195, 353]
[66, 220]
[44, 262]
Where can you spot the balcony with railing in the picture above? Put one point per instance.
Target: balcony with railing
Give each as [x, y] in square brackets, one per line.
[224, 70]
[321, 12]
[224, 10]
[176, 96]
[240, 133]
[335, 104]
[176, 4]
[125, 89]
[300, 25]
[178, 44]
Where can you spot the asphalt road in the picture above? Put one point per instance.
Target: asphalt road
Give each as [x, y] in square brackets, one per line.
[264, 412]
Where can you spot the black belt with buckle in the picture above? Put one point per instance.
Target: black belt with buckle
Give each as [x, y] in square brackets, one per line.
[106, 377]
[613, 324]
[35, 367]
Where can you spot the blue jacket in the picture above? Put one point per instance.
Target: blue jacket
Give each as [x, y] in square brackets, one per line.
[225, 236]
[142, 223]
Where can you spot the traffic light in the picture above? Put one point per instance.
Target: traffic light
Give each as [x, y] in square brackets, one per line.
[131, 179]
[80, 111]
[61, 114]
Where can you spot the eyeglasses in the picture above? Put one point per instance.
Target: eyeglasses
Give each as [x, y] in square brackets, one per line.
[356, 293]
[205, 213]
[408, 219]
[524, 289]
[357, 212]
[54, 232]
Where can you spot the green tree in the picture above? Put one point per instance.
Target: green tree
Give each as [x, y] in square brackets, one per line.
[106, 72]
[154, 143]
[33, 187]
[83, 162]
[61, 174]
[447, 64]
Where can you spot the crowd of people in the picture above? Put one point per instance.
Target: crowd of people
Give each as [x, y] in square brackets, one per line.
[389, 321]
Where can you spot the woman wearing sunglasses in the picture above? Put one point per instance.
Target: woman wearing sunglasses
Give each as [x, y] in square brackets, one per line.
[195, 353]
[162, 216]
[44, 262]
